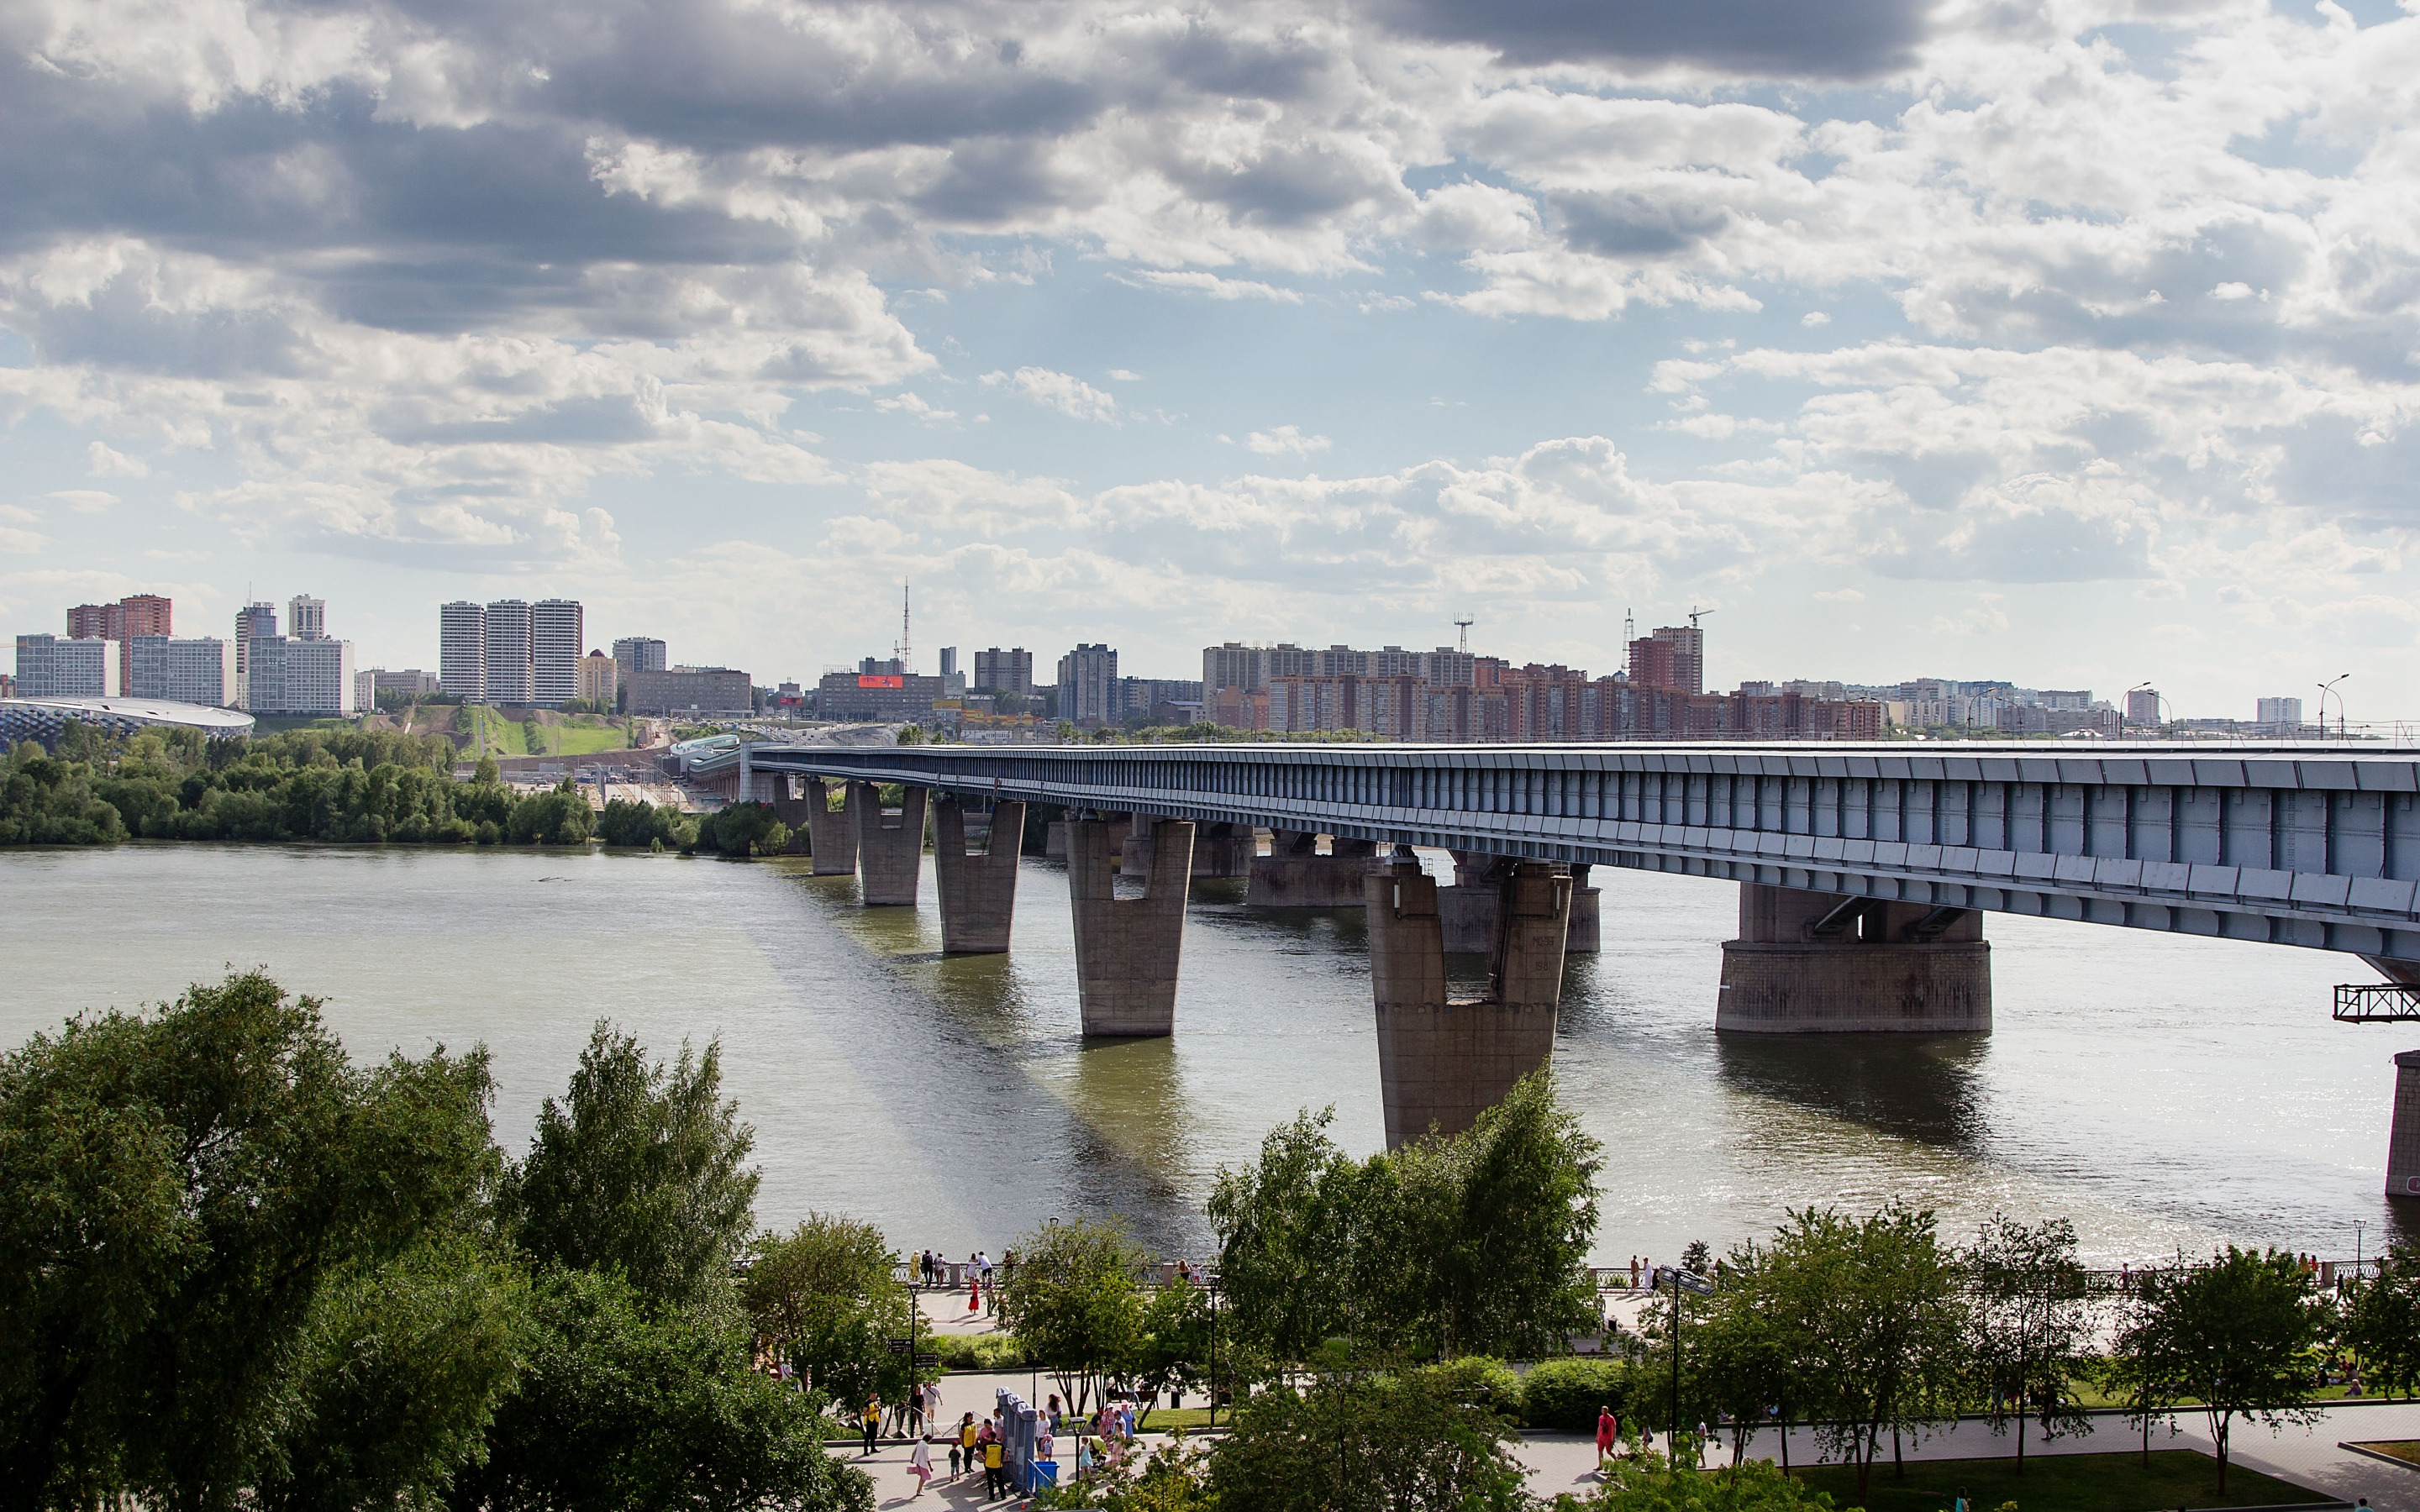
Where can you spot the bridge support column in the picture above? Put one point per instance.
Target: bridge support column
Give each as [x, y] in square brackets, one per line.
[1126, 949]
[978, 892]
[1136, 846]
[890, 855]
[1442, 1063]
[832, 834]
[1467, 909]
[1224, 850]
[1294, 875]
[1820, 963]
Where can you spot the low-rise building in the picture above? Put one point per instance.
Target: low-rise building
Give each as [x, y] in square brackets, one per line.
[878, 692]
[42, 721]
[600, 678]
[697, 691]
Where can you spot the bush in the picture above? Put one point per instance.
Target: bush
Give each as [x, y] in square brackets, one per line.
[1565, 1394]
[1480, 1380]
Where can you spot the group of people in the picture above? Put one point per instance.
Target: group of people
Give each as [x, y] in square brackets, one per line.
[983, 1293]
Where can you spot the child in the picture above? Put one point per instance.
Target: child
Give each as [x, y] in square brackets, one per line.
[955, 1456]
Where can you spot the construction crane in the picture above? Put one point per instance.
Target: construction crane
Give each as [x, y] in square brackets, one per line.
[1693, 612]
[1462, 624]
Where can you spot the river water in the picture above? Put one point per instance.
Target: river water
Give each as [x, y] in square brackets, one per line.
[2163, 1093]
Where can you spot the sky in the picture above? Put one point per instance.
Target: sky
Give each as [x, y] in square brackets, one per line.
[2071, 344]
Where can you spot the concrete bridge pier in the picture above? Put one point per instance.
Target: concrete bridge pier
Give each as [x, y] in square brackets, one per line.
[1467, 909]
[1136, 846]
[1126, 949]
[832, 834]
[1225, 851]
[978, 891]
[1441, 1062]
[2403, 1133]
[1294, 875]
[889, 851]
[1822, 963]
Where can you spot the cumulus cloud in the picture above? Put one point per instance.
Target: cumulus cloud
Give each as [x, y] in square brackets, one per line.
[1068, 394]
[1215, 286]
[102, 462]
[1285, 439]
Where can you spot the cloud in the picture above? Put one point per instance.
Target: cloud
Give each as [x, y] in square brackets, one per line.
[1855, 39]
[102, 462]
[1284, 439]
[83, 501]
[1213, 285]
[1068, 394]
[1122, 376]
[916, 407]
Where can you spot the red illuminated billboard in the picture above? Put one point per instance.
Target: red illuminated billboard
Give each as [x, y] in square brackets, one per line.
[881, 680]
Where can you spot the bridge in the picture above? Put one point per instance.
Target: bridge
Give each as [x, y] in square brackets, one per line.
[1867, 870]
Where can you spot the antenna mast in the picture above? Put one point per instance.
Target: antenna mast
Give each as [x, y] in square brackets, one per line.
[903, 653]
[1462, 624]
[1629, 627]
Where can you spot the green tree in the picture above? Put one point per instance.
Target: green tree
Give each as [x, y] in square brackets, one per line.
[2236, 1335]
[1288, 1238]
[1749, 1351]
[51, 801]
[1072, 1304]
[401, 1372]
[2382, 1324]
[1400, 1443]
[825, 1298]
[622, 1405]
[641, 1170]
[1877, 1302]
[2030, 1326]
[1173, 1348]
[175, 1192]
[1495, 1224]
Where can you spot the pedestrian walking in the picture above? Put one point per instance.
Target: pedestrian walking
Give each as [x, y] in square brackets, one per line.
[994, 1471]
[916, 1410]
[974, 1291]
[920, 1463]
[1083, 1456]
[873, 1422]
[1607, 1428]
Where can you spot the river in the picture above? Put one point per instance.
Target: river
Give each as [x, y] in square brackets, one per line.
[2163, 1094]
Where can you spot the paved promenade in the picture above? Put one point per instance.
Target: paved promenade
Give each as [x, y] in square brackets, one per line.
[1566, 1463]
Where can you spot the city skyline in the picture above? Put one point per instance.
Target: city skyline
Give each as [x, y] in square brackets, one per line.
[1361, 329]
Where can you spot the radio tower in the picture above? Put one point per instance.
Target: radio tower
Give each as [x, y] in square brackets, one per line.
[901, 652]
[1629, 627]
[1462, 624]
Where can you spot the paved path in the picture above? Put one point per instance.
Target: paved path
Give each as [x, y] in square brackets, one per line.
[2305, 1456]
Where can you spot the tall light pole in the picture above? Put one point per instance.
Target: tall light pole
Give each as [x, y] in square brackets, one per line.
[2325, 688]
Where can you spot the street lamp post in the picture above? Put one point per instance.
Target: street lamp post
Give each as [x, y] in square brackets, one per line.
[2325, 688]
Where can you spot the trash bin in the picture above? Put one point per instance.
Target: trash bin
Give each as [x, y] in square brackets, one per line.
[1042, 1476]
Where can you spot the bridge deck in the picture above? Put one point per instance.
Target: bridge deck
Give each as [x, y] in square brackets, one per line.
[2297, 845]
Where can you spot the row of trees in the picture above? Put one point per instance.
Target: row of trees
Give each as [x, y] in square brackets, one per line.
[347, 786]
[237, 1268]
[1875, 1331]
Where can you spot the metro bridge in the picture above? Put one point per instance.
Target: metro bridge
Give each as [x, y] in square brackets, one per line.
[1865, 869]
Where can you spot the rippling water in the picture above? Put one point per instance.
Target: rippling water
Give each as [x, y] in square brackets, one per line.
[2162, 1092]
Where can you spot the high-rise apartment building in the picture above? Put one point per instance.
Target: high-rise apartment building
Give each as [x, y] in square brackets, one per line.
[462, 650]
[307, 618]
[199, 671]
[252, 623]
[1088, 684]
[1688, 645]
[291, 676]
[2143, 707]
[512, 674]
[66, 667]
[136, 614]
[1004, 671]
[556, 634]
[2279, 711]
[1651, 664]
[94, 621]
[638, 654]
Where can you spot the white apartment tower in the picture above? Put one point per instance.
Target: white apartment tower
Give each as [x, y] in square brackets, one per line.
[638, 654]
[289, 676]
[556, 636]
[462, 651]
[512, 675]
[1088, 684]
[307, 618]
[200, 671]
[59, 666]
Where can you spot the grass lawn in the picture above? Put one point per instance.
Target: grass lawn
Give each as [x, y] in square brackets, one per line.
[503, 736]
[584, 739]
[1191, 1419]
[2058, 1483]
[2407, 1450]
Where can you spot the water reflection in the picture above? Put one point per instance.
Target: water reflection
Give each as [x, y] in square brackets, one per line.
[1926, 1089]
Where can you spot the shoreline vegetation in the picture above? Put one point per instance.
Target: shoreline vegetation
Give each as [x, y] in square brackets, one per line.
[336, 786]
[242, 1267]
